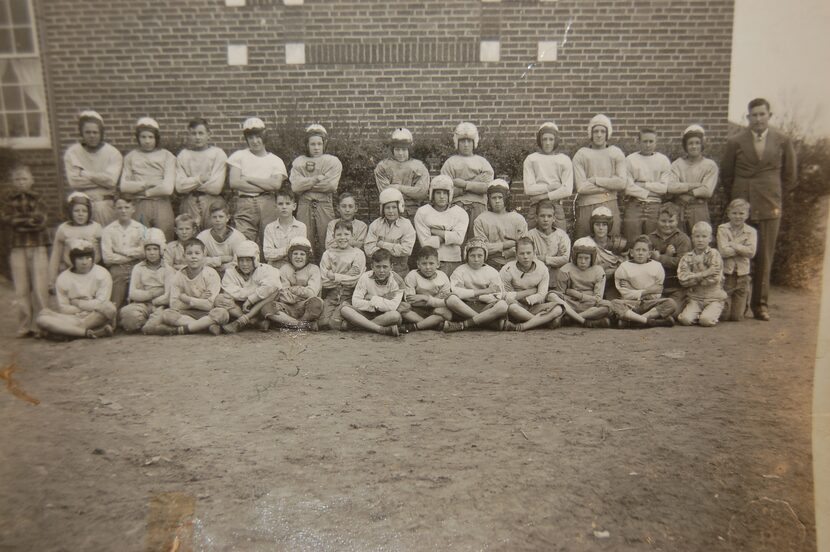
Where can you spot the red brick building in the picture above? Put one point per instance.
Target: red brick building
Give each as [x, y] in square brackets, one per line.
[506, 65]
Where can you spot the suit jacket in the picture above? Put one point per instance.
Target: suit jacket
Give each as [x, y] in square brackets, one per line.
[759, 181]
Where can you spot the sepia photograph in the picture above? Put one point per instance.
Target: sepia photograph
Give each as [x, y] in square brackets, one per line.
[361, 275]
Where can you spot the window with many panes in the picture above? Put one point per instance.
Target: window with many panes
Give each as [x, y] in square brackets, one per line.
[23, 115]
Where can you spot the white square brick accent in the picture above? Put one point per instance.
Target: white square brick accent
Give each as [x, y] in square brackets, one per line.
[237, 54]
[293, 2]
[547, 50]
[294, 53]
[234, 3]
[490, 50]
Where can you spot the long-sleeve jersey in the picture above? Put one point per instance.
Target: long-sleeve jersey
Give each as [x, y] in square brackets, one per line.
[554, 250]
[682, 245]
[201, 170]
[633, 279]
[453, 220]
[204, 286]
[94, 285]
[473, 168]
[342, 267]
[547, 176]
[120, 244]
[304, 167]
[589, 282]
[80, 164]
[687, 174]
[465, 281]
[174, 255]
[411, 178]
[262, 282]
[399, 234]
[515, 279]
[373, 296]
[25, 213]
[214, 249]
[495, 228]
[647, 176]
[746, 238]
[359, 231]
[697, 286]
[146, 278]
[437, 286]
[149, 174]
[606, 166]
[300, 284]
[276, 239]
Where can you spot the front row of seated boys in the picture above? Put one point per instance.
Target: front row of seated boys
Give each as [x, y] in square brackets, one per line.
[341, 294]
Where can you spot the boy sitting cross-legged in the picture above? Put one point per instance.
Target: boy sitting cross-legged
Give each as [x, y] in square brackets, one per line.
[376, 298]
[640, 283]
[297, 306]
[581, 283]
[427, 289]
[247, 287]
[149, 289]
[526, 287]
[477, 291]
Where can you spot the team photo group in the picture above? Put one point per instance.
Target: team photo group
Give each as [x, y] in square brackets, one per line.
[255, 245]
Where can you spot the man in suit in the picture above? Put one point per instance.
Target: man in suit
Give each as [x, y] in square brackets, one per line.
[759, 166]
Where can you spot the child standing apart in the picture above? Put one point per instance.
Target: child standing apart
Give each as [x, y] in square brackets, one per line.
[470, 174]
[695, 178]
[149, 289]
[341, 266]
[79, 226]
[278, 234]
[668, 245]
[149, 177]
[83, 294]
[200, 172]
[93, 166]
[247, 287]
[298, 306]
[427, 289]
[640, 283]
[347, 206]
[220, 239]
[648, 174]
[701, 271]
[526, 290]
[409, 176]
[581, 283]
[376, 298]
[25, 213]
[314, 178]
[193, 291]
[737, 242]
[392, 232]
[440, 226]
[255, 174]
[599, 174]
[477, 291]
[551, 245]
[122, 247]
[174, 251]
[547, 175]
[500, 226]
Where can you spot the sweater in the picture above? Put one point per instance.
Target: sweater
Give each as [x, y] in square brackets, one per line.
[453, 220]
[607, 167]
[473, 168]
[207, 164]
[149, 174]
[547, 176]
[80, 164]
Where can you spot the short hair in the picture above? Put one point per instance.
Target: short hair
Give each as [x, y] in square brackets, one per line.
[381, 255]
[196, 122]
[642, 238]
[647, 130]
[185, 217]
[670, 209]
[218, 205]
[702, 225]
[194, 242]
[544, 204]
[426, 252]
[758, 102]
[345, 195]
[524, 240]
[20, 167]
[343, 225]
[122, 197]
[738, 202]
[287, 193]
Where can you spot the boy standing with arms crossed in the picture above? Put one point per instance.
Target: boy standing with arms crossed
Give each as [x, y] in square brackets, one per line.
[547, 175]
[200, 172]
[470, 174]
[737, 242]
[122, 247]
[648, 172]
[409, 176]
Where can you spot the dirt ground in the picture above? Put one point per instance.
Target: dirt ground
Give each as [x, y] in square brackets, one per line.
[677, 439]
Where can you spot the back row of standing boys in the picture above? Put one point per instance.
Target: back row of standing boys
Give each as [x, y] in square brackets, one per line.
[508, 277]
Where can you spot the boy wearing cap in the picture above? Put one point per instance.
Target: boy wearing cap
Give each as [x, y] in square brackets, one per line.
[392, 232]
[409, 176]
[500, 226]
[254, 175]
[278, 234]
[200, 172]
[581, 284]
[122, 247]
[526, 284]
[297, 306]
[347, 207]
[247, 287]
[470, 173]
[599, 174]
[314, 178]
[93, 166]
[649, 171]
[220, 239]
[376, 298]
[694, 179]
[341, 266]
[701, 272]
[477, 291]
[441, 225]
[149, 288]
[149, 177]
[737, 243]
[193, 292]
[79, 226]
[83, 296]
[24, 212]
[640, 284]
[547, 175]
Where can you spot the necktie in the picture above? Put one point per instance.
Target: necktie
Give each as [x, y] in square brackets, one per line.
[759, 145]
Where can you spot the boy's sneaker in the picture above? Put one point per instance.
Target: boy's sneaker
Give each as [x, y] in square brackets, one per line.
[408, 327]
[264, 325]
[231, 328]
[390, 330]
[661, 322]
[104, 331]
[215, 329]
[452, 326]
[601, 323]
[511, 327]
[160, 329]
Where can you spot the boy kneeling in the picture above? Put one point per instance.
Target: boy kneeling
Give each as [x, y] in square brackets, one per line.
[376, 298]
